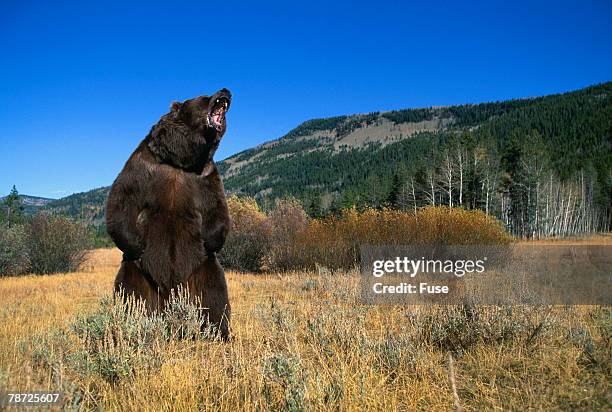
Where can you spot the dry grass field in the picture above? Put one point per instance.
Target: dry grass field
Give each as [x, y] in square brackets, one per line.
[302, 341]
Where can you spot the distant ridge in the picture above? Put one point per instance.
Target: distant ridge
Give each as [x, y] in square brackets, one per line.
[32, 203]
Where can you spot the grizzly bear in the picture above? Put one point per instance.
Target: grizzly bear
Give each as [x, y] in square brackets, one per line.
[167, 211]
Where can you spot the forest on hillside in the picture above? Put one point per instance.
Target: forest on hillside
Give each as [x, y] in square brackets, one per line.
[542, 166]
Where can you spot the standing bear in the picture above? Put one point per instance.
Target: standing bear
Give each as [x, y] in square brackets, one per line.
[167, 211]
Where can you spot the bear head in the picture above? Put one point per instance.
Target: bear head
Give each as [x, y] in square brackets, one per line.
[189, 135]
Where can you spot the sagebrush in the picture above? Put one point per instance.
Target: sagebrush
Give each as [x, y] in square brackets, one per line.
[44, 244]
[286, 239]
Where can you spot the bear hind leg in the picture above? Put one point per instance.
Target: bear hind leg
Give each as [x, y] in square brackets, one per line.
[131, 281]
[208, 284]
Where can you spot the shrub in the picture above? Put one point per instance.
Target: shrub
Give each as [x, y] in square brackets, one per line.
[287, 239]
[288, 221]
[393, 353]
[459, 328]
[249, 236]
[184, 317]
[284, 383]
[120, 338]
[13, 260]
[457, 226]
[112, 343]
[334, 242]
[55, 244]
[327, 244]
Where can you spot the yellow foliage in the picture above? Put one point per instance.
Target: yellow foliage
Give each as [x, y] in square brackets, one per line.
[287, 240]
[335, 241]
[249, 235]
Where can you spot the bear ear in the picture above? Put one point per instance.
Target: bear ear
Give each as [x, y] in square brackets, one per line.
[176, 107]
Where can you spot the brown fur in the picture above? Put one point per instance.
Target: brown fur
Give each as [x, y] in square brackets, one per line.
[207, 284]
[167, 211]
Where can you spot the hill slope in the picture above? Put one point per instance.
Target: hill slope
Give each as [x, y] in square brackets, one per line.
[358, 157]
[88, 206]
[31, 204]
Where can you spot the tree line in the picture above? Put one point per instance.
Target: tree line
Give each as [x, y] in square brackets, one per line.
[542, 166]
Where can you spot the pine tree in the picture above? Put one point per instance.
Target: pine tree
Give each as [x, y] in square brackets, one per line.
[315, 208]
[12, 208]
[394, 194]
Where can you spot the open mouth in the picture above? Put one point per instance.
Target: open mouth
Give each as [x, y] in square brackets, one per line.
[216, 116]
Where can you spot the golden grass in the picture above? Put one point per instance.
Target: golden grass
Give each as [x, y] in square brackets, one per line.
[302, 341]
[599, 239]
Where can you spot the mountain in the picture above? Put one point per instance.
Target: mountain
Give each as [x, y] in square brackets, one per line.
[88, 206]
[31, 204]
[494, 156]
[355, 159]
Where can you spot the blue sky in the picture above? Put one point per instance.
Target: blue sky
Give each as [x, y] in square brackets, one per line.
[81, 85]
